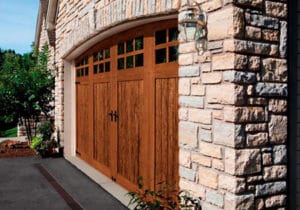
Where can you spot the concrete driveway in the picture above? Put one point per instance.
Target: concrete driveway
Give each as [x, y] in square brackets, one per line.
[33, 183]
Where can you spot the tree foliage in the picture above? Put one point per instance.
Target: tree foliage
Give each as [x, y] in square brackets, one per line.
[26, 88]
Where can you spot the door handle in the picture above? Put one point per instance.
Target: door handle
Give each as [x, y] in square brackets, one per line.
[116, 116]
[111, 114]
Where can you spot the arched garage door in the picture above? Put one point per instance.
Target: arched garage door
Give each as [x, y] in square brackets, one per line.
[127, 105]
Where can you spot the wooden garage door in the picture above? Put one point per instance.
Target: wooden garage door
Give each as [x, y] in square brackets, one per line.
[127, 111]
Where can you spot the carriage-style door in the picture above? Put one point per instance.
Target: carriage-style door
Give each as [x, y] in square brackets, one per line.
[127, 111]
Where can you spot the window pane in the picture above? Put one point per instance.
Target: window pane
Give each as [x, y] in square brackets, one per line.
[129, 46]
[139, 60]
[120, 63]
[173, 53]
[121, 48]
[81, 72]
[81, 62]
[101, 55]
[160, 56]
[95, 69]
[86, 60]
[107, 67]
[160, 37]
[129, 62]
[95, 57]
[101, 68]
[173, 34]
[107, 53]
[86, 71]
[78, 72]
[139, 43]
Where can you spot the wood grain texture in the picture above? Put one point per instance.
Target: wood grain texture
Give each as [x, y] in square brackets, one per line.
[130, 106]
[83, 121]
[101, 123]
[166, 129]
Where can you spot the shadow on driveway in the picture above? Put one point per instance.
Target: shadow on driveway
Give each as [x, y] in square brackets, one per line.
[24, 185]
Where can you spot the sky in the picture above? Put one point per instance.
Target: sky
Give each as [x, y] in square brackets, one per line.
[17, 24]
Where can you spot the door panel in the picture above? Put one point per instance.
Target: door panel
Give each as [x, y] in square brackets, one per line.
[102, 107]
[166, 129]
[83, 121]
[130, 106]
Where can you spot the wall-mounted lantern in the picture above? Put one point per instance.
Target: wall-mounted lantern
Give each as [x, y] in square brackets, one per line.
[193, 26]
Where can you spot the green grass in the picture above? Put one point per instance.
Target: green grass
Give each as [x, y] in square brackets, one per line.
[9, 133]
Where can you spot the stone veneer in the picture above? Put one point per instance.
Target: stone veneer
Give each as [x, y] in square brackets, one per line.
[233, 107]
[233, 98]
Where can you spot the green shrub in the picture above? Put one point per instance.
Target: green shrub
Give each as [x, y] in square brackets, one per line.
[45, 130]
[36, 142]
[165, 199]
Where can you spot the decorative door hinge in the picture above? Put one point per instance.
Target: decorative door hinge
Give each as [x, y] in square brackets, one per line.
[77, 83]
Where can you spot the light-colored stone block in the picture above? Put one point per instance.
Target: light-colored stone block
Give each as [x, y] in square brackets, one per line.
[185, 158]
[215, 198]
[256, 127]
[218, 164]
[276, 201]
[239, 202]
[278, 105]
[242, 162]
[184, 86]
[198, 90]
[208, 177]
[210, 149]
[256, 140]
[229, 61]
[189, 71]
[278, 129]
[200, 116]
[188, 133]
[211, 78]
[253, 32]
[275, 172]
[196, 189]
[191, 101]
[274, 70]
[201, 159]
[211, 5]
[228, 134]
[276, 9]
[225, 23]
[231, 94]
[231, 183]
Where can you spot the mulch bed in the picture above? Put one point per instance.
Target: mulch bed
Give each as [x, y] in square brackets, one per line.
[15, 149]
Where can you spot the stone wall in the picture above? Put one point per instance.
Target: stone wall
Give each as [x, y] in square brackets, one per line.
[233, 107]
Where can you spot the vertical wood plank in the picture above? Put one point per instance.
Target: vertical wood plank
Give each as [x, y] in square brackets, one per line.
[129, 132]
[166, 141]
[101, 123]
